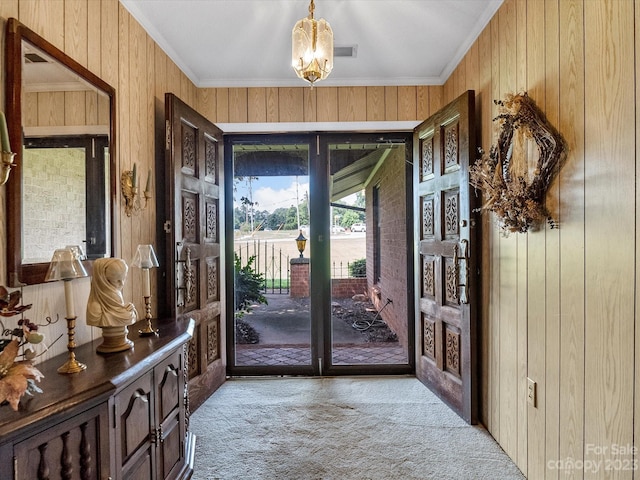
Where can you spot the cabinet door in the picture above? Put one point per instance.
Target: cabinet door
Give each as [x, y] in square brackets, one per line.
[75, 449]
[135, 432]
[169, 381]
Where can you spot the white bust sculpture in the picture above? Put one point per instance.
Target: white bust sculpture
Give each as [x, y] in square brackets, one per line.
[106, 307]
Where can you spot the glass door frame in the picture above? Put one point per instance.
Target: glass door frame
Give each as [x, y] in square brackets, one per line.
[320, 267]
[324, 142]
[263, 139]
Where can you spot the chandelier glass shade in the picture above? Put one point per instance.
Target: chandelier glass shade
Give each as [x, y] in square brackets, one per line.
[312, 48]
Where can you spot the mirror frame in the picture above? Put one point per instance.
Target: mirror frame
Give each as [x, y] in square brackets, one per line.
[18, 273]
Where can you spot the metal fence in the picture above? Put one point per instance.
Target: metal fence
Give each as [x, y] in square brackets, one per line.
[273, 264]
[346, 270]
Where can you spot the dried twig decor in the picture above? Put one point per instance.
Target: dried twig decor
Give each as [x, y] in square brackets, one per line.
[514, 177]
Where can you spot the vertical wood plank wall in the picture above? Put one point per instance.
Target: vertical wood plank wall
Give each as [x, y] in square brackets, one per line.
[320, 104]
[558, 304]
[104, 37]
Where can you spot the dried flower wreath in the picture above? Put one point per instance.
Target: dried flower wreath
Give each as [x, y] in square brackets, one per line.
[514, 184]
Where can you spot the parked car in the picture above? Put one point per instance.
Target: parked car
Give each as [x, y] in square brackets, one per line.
[337, 229]
[359, 227]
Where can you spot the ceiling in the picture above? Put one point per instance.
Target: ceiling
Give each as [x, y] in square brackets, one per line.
[247, 43]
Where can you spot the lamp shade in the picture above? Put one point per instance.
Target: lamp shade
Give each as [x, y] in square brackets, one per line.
[77, 251]
[65, 265]
[145, 257]
[312, 48]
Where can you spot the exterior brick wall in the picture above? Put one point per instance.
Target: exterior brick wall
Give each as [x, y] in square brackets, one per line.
[393, 245]
[348, 287]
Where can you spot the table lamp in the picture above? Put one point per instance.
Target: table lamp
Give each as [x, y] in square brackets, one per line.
[66, 265]
[145, 258]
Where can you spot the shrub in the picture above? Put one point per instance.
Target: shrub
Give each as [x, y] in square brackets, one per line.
[358, 268]
[248, 286]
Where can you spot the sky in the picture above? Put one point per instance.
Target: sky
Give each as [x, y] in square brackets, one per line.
[271, 193]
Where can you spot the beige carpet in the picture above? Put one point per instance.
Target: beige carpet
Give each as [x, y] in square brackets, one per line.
[344, 428]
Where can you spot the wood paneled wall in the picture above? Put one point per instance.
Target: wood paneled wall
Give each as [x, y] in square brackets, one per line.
[60, 109]
[560, 304]
[320, 104]
[104, 37]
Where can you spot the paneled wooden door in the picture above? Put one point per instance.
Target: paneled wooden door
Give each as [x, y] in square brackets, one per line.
[446, 272]
[193, 232]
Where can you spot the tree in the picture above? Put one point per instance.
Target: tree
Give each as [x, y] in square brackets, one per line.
[304, 210]
[247, 203]
[291, 220]
[277, 219]
[350, 217]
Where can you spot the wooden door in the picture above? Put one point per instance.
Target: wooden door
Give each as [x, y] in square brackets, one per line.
[168, 380]
[446, 302]
[194, 208]
[135, 421]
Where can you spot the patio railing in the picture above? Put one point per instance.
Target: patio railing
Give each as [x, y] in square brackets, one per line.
[273, 264]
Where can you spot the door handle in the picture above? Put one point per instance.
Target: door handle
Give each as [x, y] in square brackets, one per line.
[187, 275]
[462, 255]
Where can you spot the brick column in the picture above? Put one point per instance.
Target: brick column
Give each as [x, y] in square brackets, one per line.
[299, 278]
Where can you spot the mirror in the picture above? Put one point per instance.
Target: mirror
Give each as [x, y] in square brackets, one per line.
[61, 190]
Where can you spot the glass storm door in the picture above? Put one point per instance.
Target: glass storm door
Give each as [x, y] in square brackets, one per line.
[271, 300]
[339, 301]
[368, 209]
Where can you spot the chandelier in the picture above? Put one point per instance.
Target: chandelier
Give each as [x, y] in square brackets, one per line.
[312, 48]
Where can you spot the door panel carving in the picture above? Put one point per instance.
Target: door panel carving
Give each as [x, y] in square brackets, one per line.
[426, 163]
[429, 337]
[213, 340]
[212, 221]
[428, 277]
[452, 348]
[188, 150]
[213, 291]
[427, 217]
[451, 214]
[190, 217]
[451, 147]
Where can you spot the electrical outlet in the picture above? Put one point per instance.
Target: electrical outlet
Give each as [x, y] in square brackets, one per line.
[532, 393]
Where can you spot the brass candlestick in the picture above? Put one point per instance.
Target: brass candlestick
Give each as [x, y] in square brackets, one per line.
[148, 330]
[71, 365]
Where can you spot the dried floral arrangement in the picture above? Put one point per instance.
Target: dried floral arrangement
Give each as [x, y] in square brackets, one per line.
[514, 187]
[18, 377]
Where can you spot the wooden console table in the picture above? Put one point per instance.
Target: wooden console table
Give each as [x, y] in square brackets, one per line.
[124, 417]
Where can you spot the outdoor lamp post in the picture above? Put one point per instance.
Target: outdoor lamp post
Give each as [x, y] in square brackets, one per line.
[301, 242]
